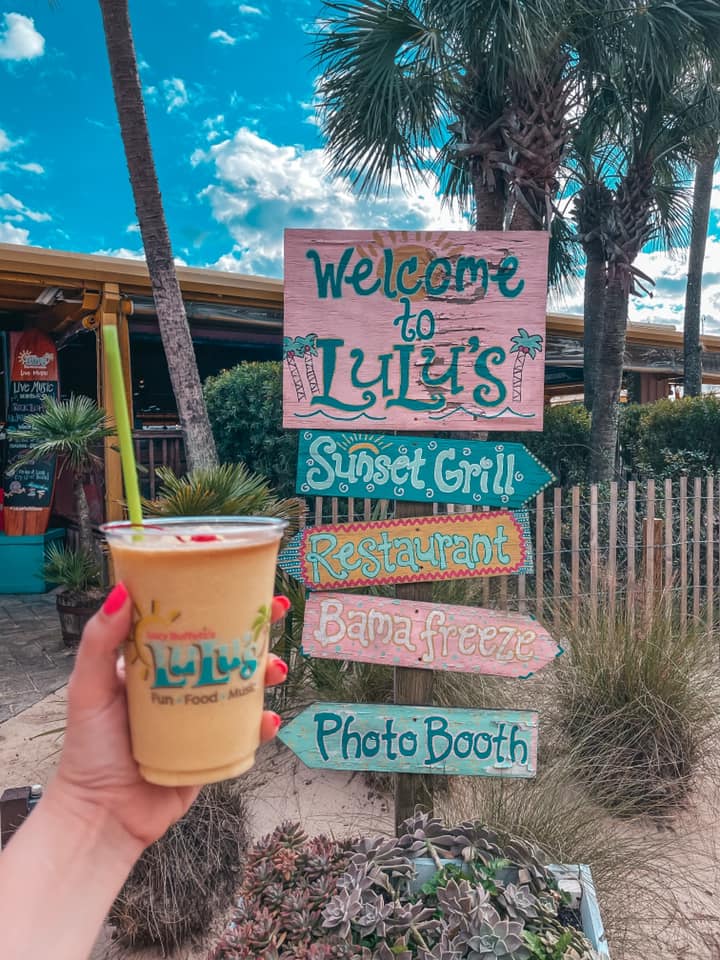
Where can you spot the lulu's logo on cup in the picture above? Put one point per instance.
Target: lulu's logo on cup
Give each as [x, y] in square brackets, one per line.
[175, 657]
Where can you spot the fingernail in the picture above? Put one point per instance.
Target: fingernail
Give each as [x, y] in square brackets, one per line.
[281, 666]
[115, 599]
[276, 720]
[282, 602]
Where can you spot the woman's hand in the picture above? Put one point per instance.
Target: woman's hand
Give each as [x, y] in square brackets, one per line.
[97, 772]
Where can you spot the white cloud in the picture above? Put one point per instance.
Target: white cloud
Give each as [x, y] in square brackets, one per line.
[5, 142]
[249, 11]
[32, 168]
[176, 95]
[18, 210]
[261, 187]
[223, 37]
[12, 234]
[19, 40]
[132, 228]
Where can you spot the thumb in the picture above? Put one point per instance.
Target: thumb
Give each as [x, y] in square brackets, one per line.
[94, 681]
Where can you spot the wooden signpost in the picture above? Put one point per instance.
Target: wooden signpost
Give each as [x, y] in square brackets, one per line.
[415, 332]
[479, 473]
[413, 739]
[432, 636]
[418, 549]
[422, 331]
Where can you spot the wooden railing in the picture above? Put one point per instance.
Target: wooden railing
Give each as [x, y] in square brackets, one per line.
[156, 448]
[634, 545]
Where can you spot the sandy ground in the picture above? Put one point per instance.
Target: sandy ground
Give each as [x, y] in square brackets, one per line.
[281, 788]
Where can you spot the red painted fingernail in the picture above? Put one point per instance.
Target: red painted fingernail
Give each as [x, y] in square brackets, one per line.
[282, 667]
[282, 602]
[276, 720]
[115, 599]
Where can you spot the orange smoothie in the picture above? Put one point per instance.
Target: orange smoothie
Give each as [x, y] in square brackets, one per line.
[195, 661]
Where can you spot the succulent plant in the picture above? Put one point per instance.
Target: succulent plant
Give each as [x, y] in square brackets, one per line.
[497, 939]
[319, 899]
[519, 902]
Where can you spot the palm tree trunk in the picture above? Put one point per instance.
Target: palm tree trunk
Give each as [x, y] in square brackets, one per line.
[523, 219]
[87, 544]
[604, 427]
[169, 305]
[700, 218]
[593, 314]
[489, 206]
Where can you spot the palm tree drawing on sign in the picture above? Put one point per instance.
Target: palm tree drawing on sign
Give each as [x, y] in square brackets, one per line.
[308, 345]
[305, 347]
[290, 354]
[524, 345]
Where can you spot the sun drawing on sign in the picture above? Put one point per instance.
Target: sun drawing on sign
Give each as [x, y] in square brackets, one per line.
[354, 442]
[404, 246]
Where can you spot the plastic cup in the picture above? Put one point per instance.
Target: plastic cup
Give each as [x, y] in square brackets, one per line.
[202, 589]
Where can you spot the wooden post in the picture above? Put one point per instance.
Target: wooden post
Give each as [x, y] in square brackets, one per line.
[412, 687]
[112, 310]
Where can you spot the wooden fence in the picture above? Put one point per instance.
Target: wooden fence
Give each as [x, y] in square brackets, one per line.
[636, 544]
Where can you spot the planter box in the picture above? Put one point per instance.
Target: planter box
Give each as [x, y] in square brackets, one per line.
[21, 559]
[575, 880]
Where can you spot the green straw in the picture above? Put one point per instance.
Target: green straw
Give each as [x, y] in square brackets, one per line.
[122, 422]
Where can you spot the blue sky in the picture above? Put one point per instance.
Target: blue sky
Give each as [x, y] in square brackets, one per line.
[229, 93]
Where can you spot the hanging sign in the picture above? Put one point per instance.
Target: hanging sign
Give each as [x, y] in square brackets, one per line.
[410, 330]
[412, 739]
[405, 633]
[418, 549]
[28, 490]
[418, 468]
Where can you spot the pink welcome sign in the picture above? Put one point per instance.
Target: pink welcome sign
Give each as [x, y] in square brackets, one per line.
[434, 636]
[410, 330]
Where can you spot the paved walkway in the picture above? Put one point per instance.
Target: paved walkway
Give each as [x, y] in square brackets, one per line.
[33, 661]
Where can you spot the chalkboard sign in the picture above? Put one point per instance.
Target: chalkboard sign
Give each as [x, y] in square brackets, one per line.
[33, 376]
[30, 485]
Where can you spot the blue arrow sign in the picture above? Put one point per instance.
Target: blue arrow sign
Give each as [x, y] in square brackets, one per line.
[378, 466]
[411, 739]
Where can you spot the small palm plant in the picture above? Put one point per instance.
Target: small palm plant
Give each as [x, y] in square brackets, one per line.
[228, 490]
[71, 430]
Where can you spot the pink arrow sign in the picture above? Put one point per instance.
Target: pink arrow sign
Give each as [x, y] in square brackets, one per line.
[341, 626]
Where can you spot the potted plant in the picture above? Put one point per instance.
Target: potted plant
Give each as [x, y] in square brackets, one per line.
[71, 430]
[79, 574]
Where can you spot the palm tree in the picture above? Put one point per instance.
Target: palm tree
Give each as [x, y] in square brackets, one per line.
[172, 319]
[524, 345]
[705, 145]
[489, 88]
[290, 354]
[71, 430]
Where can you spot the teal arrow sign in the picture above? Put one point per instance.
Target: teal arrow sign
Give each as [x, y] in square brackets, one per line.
[410, 739]
[480, 473]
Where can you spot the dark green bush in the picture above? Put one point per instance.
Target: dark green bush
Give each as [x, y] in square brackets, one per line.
[245, 409]
[672, 437]
[564, 444]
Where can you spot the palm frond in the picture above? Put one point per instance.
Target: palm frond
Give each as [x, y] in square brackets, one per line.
[72, 569]
[227, 490]
[565, 261]
[70, 428]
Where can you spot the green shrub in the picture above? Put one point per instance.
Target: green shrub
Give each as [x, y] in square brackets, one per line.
[245, 409]
[564, 444]
[638, 700]
[671, 437]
